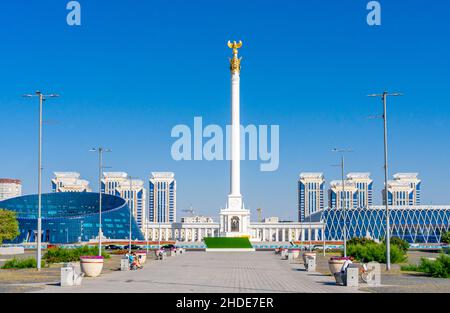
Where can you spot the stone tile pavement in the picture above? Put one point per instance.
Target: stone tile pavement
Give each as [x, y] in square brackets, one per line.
[207, 272]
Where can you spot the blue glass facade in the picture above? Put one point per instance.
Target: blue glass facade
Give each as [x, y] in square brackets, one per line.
[69, 217]
[415, 224]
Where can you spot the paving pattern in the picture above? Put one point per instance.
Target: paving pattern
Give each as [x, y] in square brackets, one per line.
[207, 272]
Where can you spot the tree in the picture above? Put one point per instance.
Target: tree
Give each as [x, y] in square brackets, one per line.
[445, 238]
[9, 226]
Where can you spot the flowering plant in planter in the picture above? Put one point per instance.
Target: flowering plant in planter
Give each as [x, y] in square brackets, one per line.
[342, 258]
[95, 257]
[335, 263]
[91, 265]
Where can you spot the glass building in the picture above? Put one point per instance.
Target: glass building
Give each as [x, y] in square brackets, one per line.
[415, 224]
[69, 217]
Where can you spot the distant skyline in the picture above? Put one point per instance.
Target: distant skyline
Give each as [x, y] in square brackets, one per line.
[130, 73]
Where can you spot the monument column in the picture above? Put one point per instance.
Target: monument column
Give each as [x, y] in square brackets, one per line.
[235, 209]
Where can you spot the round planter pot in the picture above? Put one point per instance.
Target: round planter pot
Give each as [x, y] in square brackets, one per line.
[142, 256]
[335, 265]
[310, 254]
[91, 266]
[295, 252]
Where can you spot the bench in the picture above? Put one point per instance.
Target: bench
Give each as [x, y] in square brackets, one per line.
[369, 274]
[71, 275]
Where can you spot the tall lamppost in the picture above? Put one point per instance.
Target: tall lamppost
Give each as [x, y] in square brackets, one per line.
[130, 197]
[343, 197]
[383, 97]
[146, 233]
[100, 151]
[42, 98]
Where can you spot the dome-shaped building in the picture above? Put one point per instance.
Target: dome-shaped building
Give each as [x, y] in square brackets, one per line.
[69, 217]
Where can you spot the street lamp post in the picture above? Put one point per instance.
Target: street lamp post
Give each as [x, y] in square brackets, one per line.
[383, 97]
[159, 234]
[100, 151]
[343, 198]
[42, 98]
[146, 233]
[130, 197]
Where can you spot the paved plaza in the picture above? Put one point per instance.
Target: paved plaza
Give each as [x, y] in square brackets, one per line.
[208, 272]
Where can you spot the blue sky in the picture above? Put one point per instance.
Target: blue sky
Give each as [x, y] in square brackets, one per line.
[133, 70]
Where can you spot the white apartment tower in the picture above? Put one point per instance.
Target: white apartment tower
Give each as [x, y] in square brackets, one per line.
[69, 182]
[162, 197]
[310, 194]
[134, 192]
[358, 188]
[10, 188]
[364, 184]
[404, 190]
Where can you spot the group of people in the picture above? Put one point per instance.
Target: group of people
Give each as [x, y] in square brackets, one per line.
[133, 260]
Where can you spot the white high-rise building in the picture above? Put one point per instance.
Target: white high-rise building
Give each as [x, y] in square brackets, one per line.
[404, 190]
[111, 180]
[364, 184]
[69, 182]
[310, 194]
[358, 191]
[10, 188]
[118, 184]
[136, 197]
[162, 198]
[336, 194]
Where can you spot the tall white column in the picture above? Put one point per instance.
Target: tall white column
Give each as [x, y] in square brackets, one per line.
[235, 188]
[316, 234]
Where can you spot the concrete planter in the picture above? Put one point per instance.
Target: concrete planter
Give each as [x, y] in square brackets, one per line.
[295, 253]
[308, 254]
[91, 266]
[142, 255]
[335, 264]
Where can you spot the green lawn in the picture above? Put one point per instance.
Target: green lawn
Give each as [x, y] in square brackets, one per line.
[226, 242]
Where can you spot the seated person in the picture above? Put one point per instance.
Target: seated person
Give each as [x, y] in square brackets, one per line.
[136, 264]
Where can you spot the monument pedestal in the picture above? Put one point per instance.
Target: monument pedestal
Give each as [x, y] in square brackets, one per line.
[235, 219]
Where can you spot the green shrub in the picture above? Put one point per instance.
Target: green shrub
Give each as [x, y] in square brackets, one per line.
[359, 240]
[21, 263]
[375, 252]
[439, 268]
[402, 244]
[60, 255]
